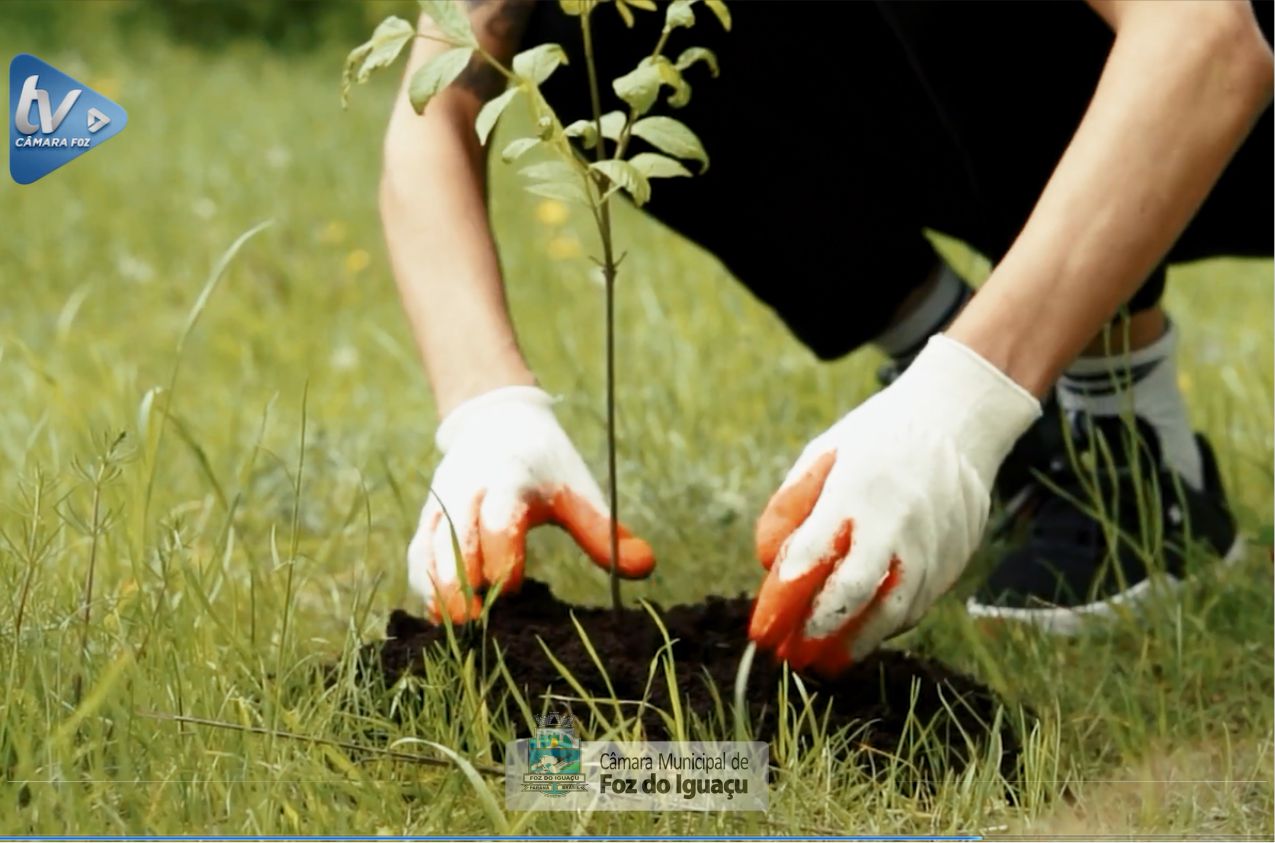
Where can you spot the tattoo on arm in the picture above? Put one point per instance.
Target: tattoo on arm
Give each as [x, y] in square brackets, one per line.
[499, 24]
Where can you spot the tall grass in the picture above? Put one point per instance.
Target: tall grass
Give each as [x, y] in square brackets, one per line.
[148, 682]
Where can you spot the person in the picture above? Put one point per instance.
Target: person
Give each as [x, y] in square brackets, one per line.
[1081, 147]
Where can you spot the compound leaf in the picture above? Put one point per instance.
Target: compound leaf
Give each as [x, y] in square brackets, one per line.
[436, 74]
[551, 171]
[387, 41]
[491, 112]
[656, 166]
[639, 87]
[451, 20]
[625, 12]
[563, 190]
[679, 13]
[516, 148]
[718, 7]
[613, 124]
[585, 130]
[672, 77]
[693, 54]
[625, 175]
[671, 136]
[539, 62]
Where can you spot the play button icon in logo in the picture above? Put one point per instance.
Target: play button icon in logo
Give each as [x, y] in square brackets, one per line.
[53, 119]
[96, 120]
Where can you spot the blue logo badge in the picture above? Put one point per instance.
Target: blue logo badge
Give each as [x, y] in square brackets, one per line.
[53, 118]
[553, 757]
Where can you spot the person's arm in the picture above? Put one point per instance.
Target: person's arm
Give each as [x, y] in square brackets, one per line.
[1183, 85]
[880, 514]
[434, 214]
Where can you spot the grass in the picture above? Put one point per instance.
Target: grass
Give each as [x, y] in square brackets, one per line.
[261, 535]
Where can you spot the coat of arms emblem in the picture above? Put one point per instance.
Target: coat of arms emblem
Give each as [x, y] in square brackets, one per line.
[553, 757]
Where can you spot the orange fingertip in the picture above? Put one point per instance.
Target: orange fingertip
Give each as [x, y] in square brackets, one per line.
[592, 531]
[789, 507]
[800, 652]
[782, 606]
[451, 599]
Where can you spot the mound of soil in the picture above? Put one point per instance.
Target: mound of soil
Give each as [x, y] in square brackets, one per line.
[873, 697]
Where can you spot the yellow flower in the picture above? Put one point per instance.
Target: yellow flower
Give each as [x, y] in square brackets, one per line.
[1184, 382]
[357, 261]
[552, 212]
[563, 247]
[333, 232]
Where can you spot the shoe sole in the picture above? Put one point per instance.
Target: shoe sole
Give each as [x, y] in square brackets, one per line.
[1067, 621]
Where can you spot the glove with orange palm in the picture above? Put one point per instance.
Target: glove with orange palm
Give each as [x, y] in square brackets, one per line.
[881, 512]
[507, 467]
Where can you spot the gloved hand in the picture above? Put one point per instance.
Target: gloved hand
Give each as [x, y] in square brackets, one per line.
[880, 514]
[507, 467]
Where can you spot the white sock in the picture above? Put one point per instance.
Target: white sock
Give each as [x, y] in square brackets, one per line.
[1144, 382]
[903, 340]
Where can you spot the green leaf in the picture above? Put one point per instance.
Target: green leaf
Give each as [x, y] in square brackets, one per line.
[387, 41]
[551, 171]
[672, 77]
[585, 130]
[639, 87]
[564, 190]
[656, 166]
[491, 112]
[575, 8]
[625, 12]
[671, 136]
[644, 5]
[625, 175]
[435, 75]
[516, 148]
[679, 13]
[718, 7]
[693, 54]
[539, 62]
[613, 123]
[451, 20]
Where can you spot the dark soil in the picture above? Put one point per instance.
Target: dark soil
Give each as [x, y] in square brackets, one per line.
[873, 698]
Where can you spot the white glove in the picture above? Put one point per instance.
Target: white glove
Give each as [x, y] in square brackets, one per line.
[881, 513]
[507, 467]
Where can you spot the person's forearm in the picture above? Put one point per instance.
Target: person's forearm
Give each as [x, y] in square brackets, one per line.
[1181, 89]
[440, 243]
[446, 268]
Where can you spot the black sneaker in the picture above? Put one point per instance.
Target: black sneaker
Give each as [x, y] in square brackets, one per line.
[1075, 565]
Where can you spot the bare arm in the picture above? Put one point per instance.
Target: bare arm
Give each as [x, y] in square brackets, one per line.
[434, 214]
[1180, 91]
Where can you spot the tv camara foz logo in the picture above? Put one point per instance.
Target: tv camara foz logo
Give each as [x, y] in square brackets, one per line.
[54, 118]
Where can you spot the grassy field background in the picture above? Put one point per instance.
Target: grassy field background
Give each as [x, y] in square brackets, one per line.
[216, 587]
